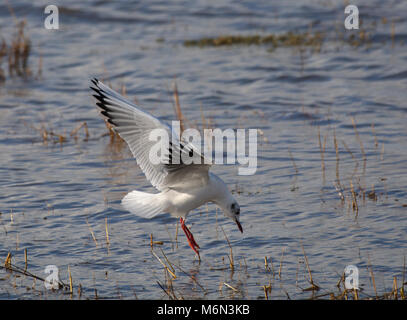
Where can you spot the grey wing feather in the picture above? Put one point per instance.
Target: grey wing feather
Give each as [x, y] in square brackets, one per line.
[135, 126]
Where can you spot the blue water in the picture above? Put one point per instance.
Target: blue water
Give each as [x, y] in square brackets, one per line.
[50, 192]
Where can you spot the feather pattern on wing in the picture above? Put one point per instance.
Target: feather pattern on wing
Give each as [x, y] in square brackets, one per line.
[135, 126]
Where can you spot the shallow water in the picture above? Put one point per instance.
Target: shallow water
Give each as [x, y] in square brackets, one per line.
[52, 195]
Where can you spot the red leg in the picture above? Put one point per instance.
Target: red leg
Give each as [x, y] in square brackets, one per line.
[191, 241]
[189, 234]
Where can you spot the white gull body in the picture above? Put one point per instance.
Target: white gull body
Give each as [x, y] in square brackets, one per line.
[181, 187]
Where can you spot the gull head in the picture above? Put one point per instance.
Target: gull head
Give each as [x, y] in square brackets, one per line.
[233, 212]
[224, 199]
[231, 209]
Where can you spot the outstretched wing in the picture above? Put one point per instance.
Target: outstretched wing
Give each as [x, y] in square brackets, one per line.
[135, 126]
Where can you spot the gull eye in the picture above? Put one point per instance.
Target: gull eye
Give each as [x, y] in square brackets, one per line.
[232, 207]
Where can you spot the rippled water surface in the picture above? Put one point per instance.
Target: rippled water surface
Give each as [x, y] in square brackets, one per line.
[54, 196]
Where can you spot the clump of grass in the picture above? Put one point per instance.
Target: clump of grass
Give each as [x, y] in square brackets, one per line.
[49, 135]
[12, 268]
[16, 53]
[19, 52]
[355, 193]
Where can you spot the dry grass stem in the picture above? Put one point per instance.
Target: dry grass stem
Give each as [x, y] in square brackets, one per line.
[25, 259]
[337, 159]
[152, 242]
[372, 276]
[230, 256]
[355, 206]
[294, 187]
[230, 287]
[376, 142]
[362, 149]
[83, 125]
[91, 232]
[311, 281]
[192, 277]
[266, 265]
[7, 262]
[177, 107]
[70, 281]
[176, 235]
[266, 296]
[393, 33]
[395, 288]
[167, 292]
[322, 151]
[168, 261]
[107, 233]
[281, 263]
[164, 265]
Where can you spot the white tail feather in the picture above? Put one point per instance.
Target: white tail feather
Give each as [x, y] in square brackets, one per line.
[143, 204]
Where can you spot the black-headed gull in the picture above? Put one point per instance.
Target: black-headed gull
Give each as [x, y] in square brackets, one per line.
[182, 187]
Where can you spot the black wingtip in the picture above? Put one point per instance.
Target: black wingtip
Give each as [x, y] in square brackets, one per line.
[106, 114]
[95, 82]
[99, 97]
[97, 90]
[110, 120]
[103, 106]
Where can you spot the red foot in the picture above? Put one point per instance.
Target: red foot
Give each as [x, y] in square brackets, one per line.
[191, 241]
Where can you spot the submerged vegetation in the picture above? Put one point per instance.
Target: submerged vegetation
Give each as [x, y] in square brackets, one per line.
[289, 39]
[48, 134]
[313, 40]
[269, 277]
